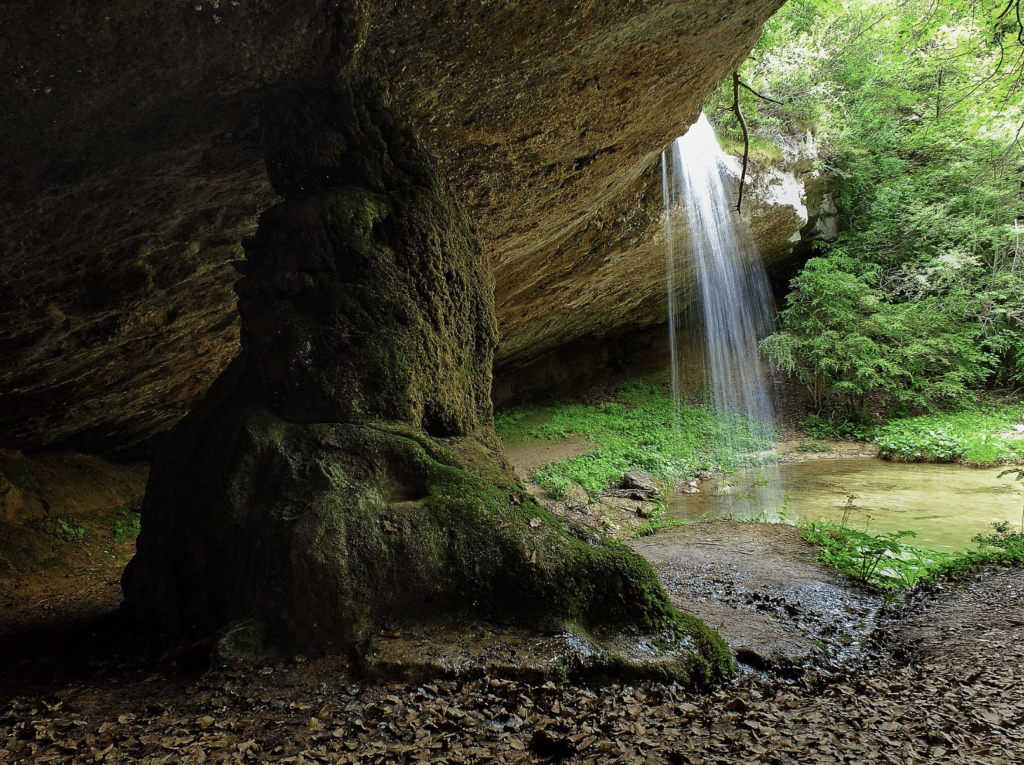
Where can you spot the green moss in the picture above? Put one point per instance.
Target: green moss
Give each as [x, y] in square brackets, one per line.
[243, 641]
[355, 211]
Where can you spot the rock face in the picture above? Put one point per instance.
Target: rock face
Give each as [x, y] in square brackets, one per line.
[132, 170]
[343, 476]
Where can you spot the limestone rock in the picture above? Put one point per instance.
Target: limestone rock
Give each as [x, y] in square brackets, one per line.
[342, 476]
[133, 169]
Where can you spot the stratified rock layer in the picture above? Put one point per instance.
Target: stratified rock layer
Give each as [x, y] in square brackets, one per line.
[132, 170]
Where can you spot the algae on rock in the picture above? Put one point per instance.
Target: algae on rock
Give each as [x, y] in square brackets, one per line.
[343, 476]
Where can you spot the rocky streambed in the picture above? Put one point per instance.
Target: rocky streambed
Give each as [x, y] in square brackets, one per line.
[759, 586]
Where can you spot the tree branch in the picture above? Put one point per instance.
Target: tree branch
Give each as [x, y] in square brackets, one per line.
[746, 138]
[761, 95]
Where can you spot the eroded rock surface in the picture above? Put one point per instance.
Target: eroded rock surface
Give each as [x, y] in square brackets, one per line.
[132, 170]
[342, 478]
[758, 585]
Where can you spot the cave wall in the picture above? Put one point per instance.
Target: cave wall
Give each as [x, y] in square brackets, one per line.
[133, 169]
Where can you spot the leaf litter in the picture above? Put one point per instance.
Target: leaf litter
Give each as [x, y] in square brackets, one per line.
[952, 691]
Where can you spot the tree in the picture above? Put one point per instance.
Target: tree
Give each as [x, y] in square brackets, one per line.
[917, 107]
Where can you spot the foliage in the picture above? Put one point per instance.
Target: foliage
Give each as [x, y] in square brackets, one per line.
[880, 560]
[916, 107]
[858, 427]
[841, 338]
[644, 430]
[656, 524]
[1003, 539]
[1019, 474]
[974, 437]
[556, 485]
[1001, 548]
[67, 530]
[128, 521]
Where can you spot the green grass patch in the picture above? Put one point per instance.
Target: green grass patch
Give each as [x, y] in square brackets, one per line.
[977, 437]
[643, 429]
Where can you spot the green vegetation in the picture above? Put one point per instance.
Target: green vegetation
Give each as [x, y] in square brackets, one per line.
[974, 437]
[128, 521]
[881, 560]
[915, 107]
[643, 430]
[1001, 548]
[841, 427]
[1019, 474]
[887, 562]
[67, 530]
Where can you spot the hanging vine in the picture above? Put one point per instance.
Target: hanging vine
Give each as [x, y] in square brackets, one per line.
[746, 137]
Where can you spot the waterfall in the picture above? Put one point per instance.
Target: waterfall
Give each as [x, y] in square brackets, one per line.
[710, 245]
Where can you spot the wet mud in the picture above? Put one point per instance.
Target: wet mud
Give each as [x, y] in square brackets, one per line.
[759, 586]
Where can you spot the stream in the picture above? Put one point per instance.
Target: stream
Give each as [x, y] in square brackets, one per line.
[944, 505]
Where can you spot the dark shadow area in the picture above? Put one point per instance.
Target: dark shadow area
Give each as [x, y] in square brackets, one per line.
[104, 649]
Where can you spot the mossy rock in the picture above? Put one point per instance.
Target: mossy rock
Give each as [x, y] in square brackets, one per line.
[314, 538]
[343, 477]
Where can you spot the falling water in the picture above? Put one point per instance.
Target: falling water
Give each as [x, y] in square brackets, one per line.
[733, 309]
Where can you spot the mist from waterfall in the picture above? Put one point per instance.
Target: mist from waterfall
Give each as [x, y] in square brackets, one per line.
[709, 244]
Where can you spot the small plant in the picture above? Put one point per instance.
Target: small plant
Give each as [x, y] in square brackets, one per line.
[657, 521]
[880, 560]
[656, 525]
[637, 387]
[1003, 539]
[128, 522]
[555, 485]
[68, 531]
[1019, 473]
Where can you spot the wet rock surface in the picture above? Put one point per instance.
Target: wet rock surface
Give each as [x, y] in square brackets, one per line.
[759, 586]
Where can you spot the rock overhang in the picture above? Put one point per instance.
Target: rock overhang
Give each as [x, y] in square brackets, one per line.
[134, 169]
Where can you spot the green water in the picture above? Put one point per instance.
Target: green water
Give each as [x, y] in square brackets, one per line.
[945, 505]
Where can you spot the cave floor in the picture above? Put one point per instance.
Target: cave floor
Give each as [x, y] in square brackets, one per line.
[944, 685]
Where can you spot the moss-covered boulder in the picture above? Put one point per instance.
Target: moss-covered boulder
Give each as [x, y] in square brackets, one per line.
[343, 476]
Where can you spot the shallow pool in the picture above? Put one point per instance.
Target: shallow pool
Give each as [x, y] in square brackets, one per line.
[945, 505]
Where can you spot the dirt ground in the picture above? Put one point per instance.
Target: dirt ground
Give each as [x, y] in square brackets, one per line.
[831, 677]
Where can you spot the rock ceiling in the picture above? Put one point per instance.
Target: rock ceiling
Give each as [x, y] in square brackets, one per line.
[132, 169]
